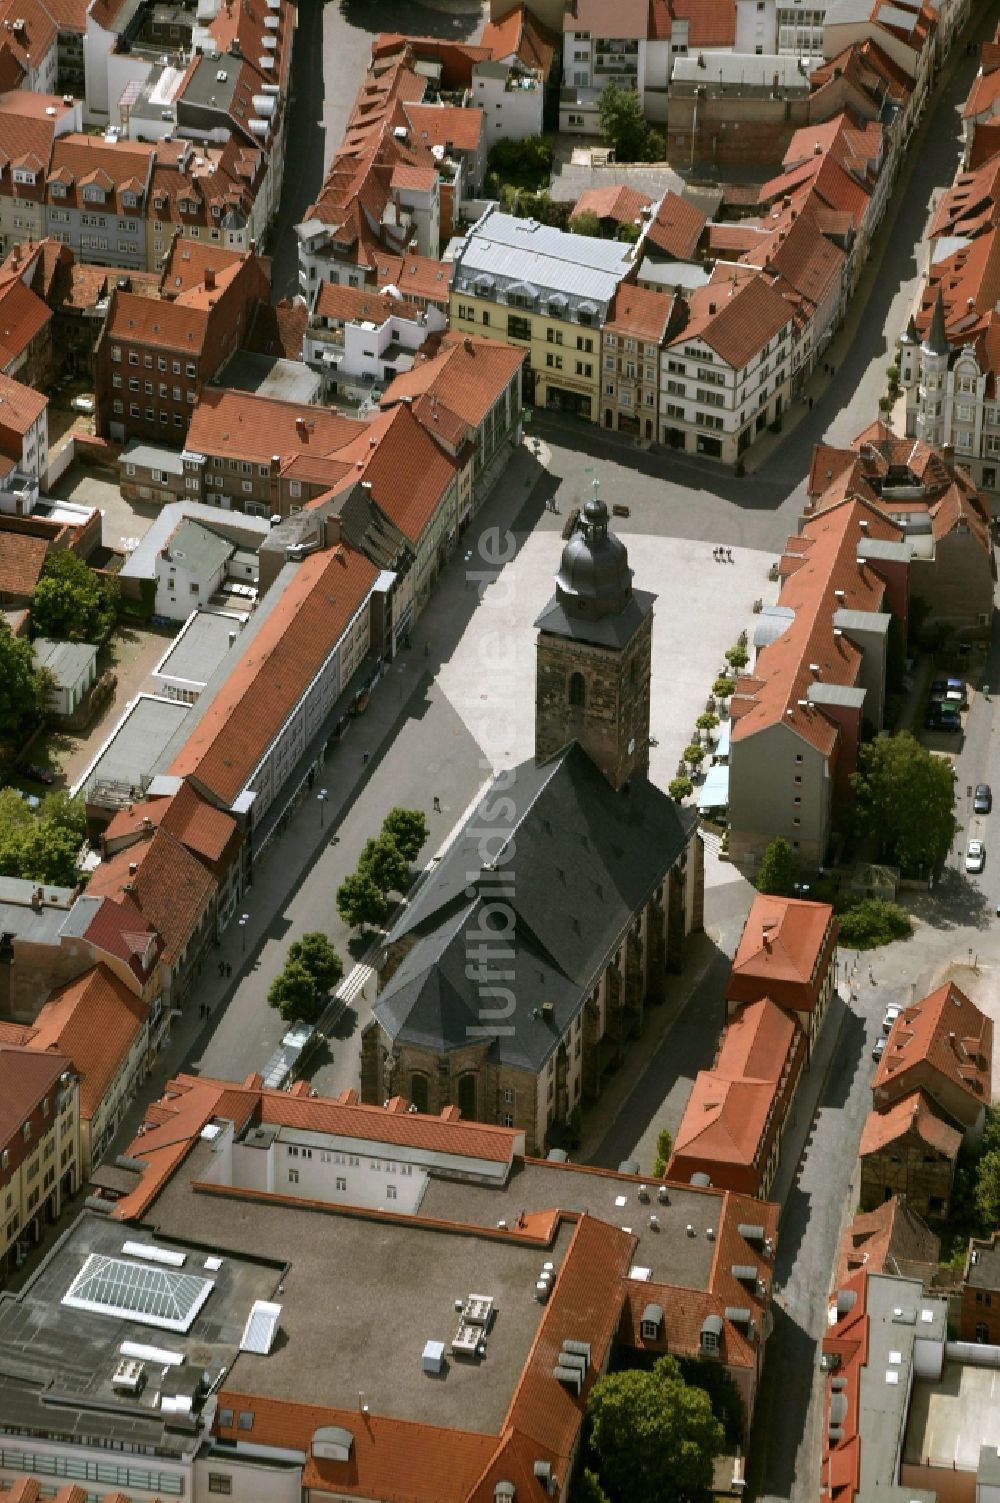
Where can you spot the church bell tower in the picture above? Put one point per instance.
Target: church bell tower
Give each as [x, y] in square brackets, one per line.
[594, 655]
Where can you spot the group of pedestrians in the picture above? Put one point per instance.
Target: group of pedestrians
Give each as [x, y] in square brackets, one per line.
[723, 555]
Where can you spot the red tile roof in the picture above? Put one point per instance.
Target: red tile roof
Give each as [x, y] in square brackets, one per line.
[353, 1119]
[170, 888]
[20, 407]
[21, 562]
[822, 575]
[94, 1020]
[736, 321]
[468, 375]
[725, 1121]
[352, 304]
[445, 125]
[237, 425]
[910, 1114]
[418, 278]
[230, 739]
[519, 34]
[640, 313]
[187, 261]
[122, 932]
[409, 473]
[784, 950]
[947, 1032]
[23, 316]
[25, 1077]
[621, 203]
[881, 1241]
[676, 228]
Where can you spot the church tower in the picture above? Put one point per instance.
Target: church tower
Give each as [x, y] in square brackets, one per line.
[594, 655]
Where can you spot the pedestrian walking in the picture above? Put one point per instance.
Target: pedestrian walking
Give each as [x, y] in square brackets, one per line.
[437, 804]
[810, 404]
[427, 650]
[729, 555]
[364, 758]
[229, 969]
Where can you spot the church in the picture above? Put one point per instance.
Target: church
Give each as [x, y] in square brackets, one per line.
[527, 958]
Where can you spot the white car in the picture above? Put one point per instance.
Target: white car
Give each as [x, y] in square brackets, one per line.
[891, 1014]
[975, 856]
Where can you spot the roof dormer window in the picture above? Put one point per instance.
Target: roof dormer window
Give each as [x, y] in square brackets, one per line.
[92, 194]
[24, 175]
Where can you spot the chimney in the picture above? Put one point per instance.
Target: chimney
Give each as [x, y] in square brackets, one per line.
[147, 823]
[209, 278]
[37, 898]
[132, 868]
[468, 344]
[711, 307]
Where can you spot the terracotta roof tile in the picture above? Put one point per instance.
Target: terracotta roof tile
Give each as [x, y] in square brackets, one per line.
[468, 375]
[445, 125]
[620, 203]
[250, 708]
[784, 949]
[880, 1241]
[375, 1124]
[278, 329]
[118, 929]
[947, 1032]
[25, 1077]
[725, 1121]
[170, 888]
[639, 312]
[23, 316]
[736, 324]
[20, 407]
[911, 1114]
[676, 228]
[21, 562]
[235, 424]
[520, 34]
[95, 1020]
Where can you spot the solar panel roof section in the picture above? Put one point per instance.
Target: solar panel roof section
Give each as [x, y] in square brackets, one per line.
[157, 1296]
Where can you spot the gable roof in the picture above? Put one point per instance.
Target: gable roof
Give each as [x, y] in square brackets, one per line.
[640, 313]
[467, 375]
[238, 425]
[736, 321]
[95, 1020]
[22, 559]
[947, 1032]
[571, 834]
[725, 1119]
[170, 888]
[25, 1077]
[910, 1114]
[318, 603]
[619, 202]
[882, 1240]
[676, 227]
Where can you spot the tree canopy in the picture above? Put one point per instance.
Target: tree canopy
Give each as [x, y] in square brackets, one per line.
[294, 993]
[316, 954]
[777, 870]
[521, 164]
[408, 828]
[72, 603]
[384, 862]
[40, 847]
[360, 902]
[664, 1148]
[23, 687]
[653, 1436]
[625, 128]
[905, 801]
[585, 224]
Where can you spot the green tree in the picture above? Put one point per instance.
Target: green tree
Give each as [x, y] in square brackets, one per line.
[23, 689]
[628, 232]
[872, 922]
[723, 687]
[988, 1188]
[737, 657]
[38, 851]
[777, 870]
[693, 754]
[623, 124]
[521, 164]
[587, 1489]
[67, 813]
[360, 902]
[664, 1148]
[585, 224]
[408, 828]
[384, 862]
[707, 722]
[680, 789]
[315, 952]
[654, 1437]
[73, 603]
[905, 801]
[293, 992]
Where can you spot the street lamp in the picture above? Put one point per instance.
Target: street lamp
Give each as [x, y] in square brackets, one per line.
[321, 799]
[244, 920]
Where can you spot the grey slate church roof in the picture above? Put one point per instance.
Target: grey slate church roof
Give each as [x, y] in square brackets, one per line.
[573, 863]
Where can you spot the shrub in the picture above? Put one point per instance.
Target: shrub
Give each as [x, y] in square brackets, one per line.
[680, 789]
[777, 870]
[707, 721]
[664, 1148]
[872, 922]
[723, 687]
[695, 755]
[737, 657]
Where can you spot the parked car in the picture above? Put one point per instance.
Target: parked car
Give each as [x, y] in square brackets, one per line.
[37, 773]
[82, 404]
[31, 799]
[879, 1049]
[975, 856]
[947, 720]
[982, 802]
[891, 1014]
